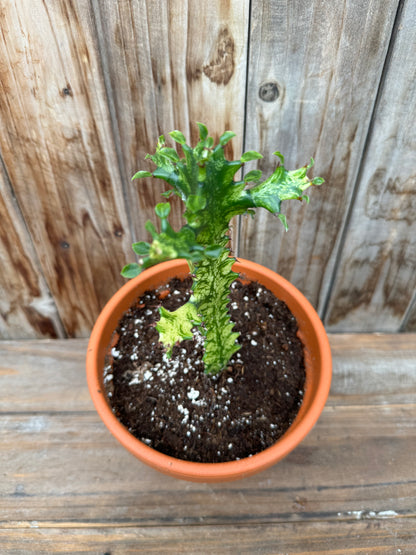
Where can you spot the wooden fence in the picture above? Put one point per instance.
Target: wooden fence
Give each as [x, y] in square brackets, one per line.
[87, 86]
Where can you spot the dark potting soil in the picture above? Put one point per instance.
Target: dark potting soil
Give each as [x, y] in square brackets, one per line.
[172, 406]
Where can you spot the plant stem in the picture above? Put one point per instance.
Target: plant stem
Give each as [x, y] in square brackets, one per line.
[211, 294]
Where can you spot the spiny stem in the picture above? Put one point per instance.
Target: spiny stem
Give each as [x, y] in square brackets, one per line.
[211, 293]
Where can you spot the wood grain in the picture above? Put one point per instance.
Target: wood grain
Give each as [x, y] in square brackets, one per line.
[409, 323]
[389, 362]
[376, 277]
[26, 306]
[346, 538]
[57, 148]
[171, 64]
[326, 61]
[348, 488]
[87, 86]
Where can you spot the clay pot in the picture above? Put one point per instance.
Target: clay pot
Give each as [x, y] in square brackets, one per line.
[317, 362]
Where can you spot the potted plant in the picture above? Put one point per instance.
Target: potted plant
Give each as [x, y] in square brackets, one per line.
[200, 388]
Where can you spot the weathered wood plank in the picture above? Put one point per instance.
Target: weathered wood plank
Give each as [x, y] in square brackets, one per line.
[57, 148]
[325, 62]
[388, 360]
[410, 323]
[39, 374]
[376, 276]
[373, 366]
[171, 64]
[351, 475]
[26, 306]
[344, 537]
[67, 468]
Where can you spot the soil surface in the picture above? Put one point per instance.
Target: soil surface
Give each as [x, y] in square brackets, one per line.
[172, 406]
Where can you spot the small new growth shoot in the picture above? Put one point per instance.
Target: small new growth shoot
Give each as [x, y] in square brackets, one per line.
[204, 180]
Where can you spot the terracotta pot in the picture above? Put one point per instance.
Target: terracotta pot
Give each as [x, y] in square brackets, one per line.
[317, 361]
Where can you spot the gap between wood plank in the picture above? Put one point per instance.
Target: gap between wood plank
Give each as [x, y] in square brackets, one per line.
[238, 234]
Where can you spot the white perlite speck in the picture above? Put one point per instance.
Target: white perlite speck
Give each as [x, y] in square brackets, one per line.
[193, 394]
[185, 412]
[361, 515]
[387, 514]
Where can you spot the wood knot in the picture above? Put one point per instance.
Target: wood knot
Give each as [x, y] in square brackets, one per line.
[220, 68]
[67, 91]
[269, 92]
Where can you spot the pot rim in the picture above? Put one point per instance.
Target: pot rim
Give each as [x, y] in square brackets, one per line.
[316, 349]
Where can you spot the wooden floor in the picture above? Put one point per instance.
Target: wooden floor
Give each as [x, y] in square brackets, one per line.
[68, 487]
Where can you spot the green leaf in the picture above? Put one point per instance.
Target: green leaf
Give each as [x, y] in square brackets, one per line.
[178, 137]
[309, 166]
[318, 181]
[281, 185]
[203, 131]
[168, 194]
[177, 325]
[141, 248]
[131, 270]
[213, 251]
[140, 174]
[194, 203]
[169, 244]
[226, 137]
[254, 175]
[202, 173]
[282, 218]
[162, 209]
[251, 155]
[170, 153]
[280, 155]
[150, 228]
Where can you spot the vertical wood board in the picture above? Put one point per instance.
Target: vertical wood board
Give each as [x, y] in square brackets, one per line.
[57, 147]
[171, 64]
[26, 306]
[313, 77]
[376, 276]
[409, 324]
[87, 86]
